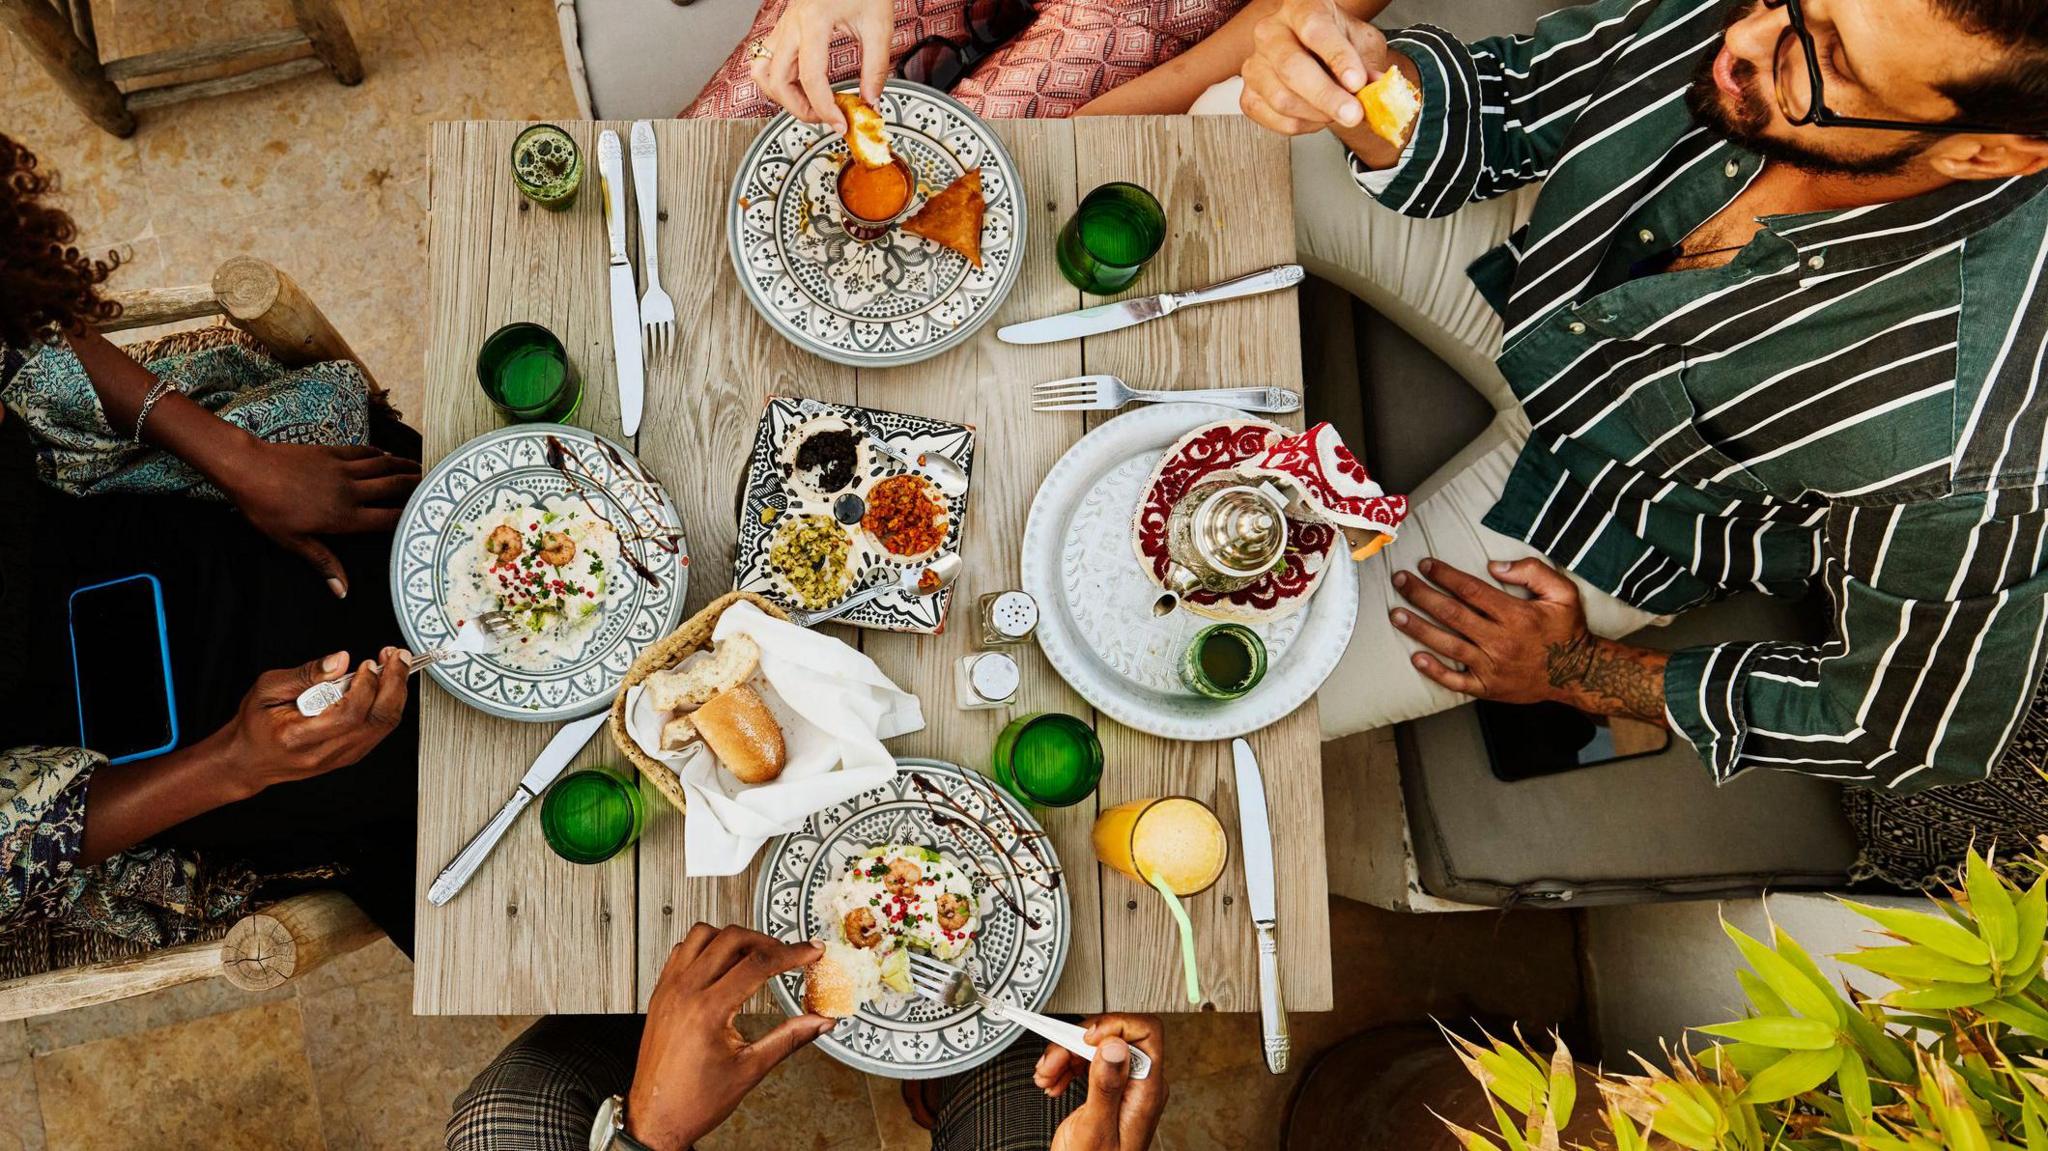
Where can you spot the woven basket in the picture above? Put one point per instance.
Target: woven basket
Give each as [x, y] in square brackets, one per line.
[692, 637]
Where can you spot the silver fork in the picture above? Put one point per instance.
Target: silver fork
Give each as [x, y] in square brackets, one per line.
[1104, 393]
[949, 986]
[479, 634]
[657, 311]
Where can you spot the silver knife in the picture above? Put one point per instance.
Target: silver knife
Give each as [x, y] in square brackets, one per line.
[1257, 833]
[553, 758]
[1124, 313]
[625, 298]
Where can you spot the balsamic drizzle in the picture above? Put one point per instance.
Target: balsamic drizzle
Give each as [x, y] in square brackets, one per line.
[954, 819]
[570, 465]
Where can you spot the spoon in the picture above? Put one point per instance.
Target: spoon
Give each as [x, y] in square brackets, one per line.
[929, 580]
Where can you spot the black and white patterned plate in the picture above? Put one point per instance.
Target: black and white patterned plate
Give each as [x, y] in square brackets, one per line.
[768, 498]
[538, 461]
[892, 301]
[1024, 938]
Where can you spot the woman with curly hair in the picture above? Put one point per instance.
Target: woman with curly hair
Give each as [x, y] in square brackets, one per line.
[203, 463]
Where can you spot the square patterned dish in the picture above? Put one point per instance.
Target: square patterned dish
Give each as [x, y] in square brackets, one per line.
[776, 489]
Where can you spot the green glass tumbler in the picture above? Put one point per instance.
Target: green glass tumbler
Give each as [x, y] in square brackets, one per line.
[1117, 228]
[526, 374]
[547, 166]
[589, 816]
[1048, 759]
[1224, 661]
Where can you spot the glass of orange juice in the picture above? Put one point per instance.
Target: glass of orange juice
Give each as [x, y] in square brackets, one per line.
[1175, 837]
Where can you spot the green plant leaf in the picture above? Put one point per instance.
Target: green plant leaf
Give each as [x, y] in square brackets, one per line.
[1915, 963]
[1991, 906]
[1852, 1079]
[1761, 997]
[1626, 1135]
[1469, 1140]
[1795, 1074]
[2021, 1018]
[2030, 915]
[1802, 994]
[1564, 1084]
[1931, 931]
[1946, 997]
[1883, 1050]
[1747, 1058]
[1788, 1032]
[1514, 1078]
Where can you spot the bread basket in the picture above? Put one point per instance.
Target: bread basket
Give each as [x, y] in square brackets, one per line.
[692, 637]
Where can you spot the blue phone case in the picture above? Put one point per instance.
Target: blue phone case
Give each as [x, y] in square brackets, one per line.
[163, 646]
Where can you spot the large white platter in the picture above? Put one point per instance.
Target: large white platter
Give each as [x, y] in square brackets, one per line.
[1096, 625]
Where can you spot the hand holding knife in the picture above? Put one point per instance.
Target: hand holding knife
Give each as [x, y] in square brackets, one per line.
[1256, 831]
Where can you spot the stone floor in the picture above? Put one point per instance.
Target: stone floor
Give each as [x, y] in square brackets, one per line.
[338, 1061]
[329, 184]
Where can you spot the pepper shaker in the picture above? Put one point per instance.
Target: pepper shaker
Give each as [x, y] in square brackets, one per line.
[1007, 617]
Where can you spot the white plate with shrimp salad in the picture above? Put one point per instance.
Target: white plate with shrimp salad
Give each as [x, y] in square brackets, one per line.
[940, 861]
[565, 532]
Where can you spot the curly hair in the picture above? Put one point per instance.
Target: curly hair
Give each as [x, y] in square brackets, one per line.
[47, 286]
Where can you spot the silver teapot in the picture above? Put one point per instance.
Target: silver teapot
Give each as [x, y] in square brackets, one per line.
[1221, 536]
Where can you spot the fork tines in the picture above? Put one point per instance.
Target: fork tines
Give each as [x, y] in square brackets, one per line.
[1080, 393]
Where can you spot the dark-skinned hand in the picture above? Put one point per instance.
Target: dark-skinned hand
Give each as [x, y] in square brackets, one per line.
[1121, 1112]
[269, 742]
[296, 493]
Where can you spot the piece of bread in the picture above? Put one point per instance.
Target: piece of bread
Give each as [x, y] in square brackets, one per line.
[953, 217]
[740, 730]
[840, 981]
[866, 136]
[678, 733]
[1391, 104]
[731, 663]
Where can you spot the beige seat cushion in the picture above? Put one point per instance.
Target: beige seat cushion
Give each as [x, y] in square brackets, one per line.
[648, 58]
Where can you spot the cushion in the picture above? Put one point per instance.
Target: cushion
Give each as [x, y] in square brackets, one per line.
[1647, 828]
[647, 58]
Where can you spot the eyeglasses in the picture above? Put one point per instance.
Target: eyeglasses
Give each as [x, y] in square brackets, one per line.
[941, 62]
[1806, 103]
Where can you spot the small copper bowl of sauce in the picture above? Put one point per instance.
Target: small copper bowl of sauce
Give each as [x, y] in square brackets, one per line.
[873, 199]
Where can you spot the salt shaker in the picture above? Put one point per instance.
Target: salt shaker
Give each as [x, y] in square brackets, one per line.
[1007, 617]
[985, 679]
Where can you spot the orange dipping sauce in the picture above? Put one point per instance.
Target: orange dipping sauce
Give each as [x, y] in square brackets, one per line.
[875, 193]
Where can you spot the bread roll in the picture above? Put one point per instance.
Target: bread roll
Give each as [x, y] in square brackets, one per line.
[740, 730]
[678, 733]
[731, 663]
[840, 981]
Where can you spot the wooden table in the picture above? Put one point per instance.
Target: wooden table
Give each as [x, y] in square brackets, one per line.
[532, 933]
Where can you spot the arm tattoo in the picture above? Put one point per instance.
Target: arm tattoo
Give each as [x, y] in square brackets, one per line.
[1607, 678]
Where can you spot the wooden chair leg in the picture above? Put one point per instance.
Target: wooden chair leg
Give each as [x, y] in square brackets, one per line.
[288, 939]
[331, 39]
[75, 67]
[264, 302]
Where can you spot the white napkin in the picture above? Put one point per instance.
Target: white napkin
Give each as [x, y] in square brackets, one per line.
[835, 707]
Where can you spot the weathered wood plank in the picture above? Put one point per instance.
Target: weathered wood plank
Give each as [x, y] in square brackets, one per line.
[202, 55]
[1227, 192]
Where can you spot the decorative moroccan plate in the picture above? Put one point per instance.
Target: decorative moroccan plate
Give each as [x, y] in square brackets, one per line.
[1096, 625]
[529, 464]
[772, 493]
[895, 300]
[1018, 957]
[1195, 457]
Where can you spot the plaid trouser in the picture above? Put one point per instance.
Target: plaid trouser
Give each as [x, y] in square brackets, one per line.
[542, 1093]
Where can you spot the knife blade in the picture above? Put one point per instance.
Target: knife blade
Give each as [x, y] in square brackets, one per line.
[546, 767]
[1124, 313]
[1255, 830]
[625, 296]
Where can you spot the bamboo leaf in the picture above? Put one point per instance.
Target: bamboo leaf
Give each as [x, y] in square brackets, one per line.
[1877, 1045]
[1800, 993]
[1791, 951]
[1931, 931]
[1852, 1079]
[1946, 997]
[1915, 963]
[2031, 925]
[1469, 1140]
[1991, 906]
[1960, 1130]
[1789, 1032]
[1761, 997]
[1795, 1074]
[1564, 1084]
[1513, 1078]
[2020, 1017]
[1626, 1136]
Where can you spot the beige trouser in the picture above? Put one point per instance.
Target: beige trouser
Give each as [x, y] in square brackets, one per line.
[1412, 271]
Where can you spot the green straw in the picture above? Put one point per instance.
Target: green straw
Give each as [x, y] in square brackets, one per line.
[1187, 936]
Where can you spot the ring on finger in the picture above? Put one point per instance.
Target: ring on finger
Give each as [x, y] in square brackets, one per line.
[758, 50]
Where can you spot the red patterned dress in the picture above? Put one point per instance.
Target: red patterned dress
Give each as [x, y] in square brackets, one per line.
[1075, 51]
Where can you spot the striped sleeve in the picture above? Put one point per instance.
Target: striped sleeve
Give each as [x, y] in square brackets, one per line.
[1935, 651]
[1495, 114]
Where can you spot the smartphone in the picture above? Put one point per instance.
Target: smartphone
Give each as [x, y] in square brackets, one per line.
[1528, 740]
[121, 669]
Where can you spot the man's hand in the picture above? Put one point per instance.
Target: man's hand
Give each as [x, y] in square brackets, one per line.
[695, 1066]
[793, 64]
[1121, 1112]
[1517, 650]
[1308, 60]
[295, 493]
[269, 742]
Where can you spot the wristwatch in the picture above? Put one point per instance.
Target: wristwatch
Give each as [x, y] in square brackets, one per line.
[609, 1132]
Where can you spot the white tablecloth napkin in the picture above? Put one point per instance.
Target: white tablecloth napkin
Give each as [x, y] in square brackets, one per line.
[835, 706]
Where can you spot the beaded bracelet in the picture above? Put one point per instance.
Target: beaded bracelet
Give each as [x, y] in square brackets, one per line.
[148, 402]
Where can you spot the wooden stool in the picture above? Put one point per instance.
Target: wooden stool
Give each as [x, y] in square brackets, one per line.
[59, 34]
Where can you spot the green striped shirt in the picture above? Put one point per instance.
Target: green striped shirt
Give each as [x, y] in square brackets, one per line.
[1853, 401]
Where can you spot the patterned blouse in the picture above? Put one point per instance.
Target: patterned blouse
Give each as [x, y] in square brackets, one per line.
[147, 894]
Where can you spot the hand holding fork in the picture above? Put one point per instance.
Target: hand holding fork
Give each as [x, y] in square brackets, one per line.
[479, 634]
